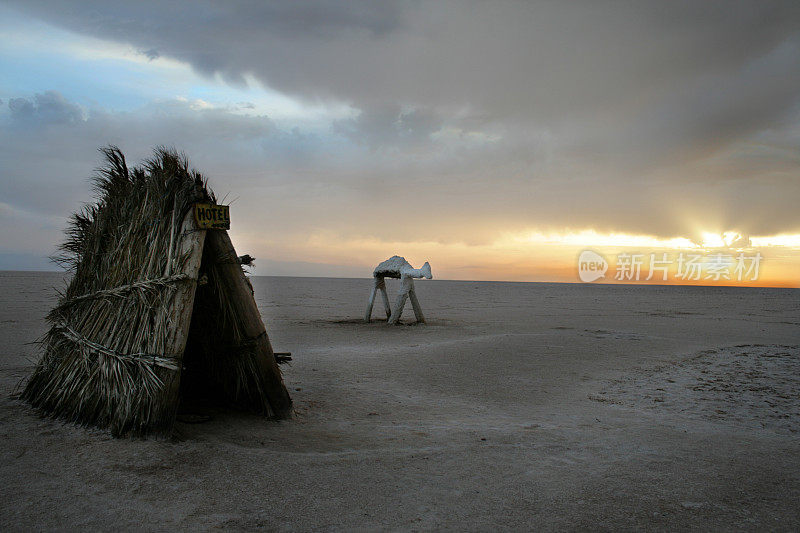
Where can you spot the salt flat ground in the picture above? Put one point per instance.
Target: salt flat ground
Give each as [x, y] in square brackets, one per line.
[518, 406]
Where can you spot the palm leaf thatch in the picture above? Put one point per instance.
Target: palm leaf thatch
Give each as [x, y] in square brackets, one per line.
[134, 318]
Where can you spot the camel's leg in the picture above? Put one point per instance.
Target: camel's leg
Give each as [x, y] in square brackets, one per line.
[415, 304]
[368, 314]
[405, 288]
[398, 307]
[385, 295]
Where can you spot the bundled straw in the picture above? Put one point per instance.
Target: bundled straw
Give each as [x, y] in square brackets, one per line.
[105, 356]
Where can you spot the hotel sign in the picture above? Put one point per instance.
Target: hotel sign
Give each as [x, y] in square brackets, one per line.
[210, 216]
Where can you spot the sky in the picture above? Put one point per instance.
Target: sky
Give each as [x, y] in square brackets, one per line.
[497, 140]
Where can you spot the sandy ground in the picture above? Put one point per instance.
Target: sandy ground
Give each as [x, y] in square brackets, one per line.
[518, 406]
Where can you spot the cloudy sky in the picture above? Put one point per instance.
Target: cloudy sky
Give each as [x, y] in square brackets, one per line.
[494, 139]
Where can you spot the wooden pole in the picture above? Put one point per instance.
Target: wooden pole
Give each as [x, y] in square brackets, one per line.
[191, 242]
[233, 280]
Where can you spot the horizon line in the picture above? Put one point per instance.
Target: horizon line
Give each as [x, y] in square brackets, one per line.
[576, 282]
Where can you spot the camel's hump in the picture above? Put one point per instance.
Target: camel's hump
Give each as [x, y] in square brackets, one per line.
[391, 267]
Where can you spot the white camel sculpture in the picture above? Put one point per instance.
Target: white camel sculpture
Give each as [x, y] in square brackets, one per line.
[398, 267]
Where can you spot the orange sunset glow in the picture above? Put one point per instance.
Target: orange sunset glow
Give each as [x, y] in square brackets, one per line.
[535, 256]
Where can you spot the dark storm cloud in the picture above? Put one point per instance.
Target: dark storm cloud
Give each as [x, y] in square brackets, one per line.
[632, 116]
[547, 60]
[224, 37]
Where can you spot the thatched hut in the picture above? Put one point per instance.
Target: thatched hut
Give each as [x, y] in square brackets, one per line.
[158, 310]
